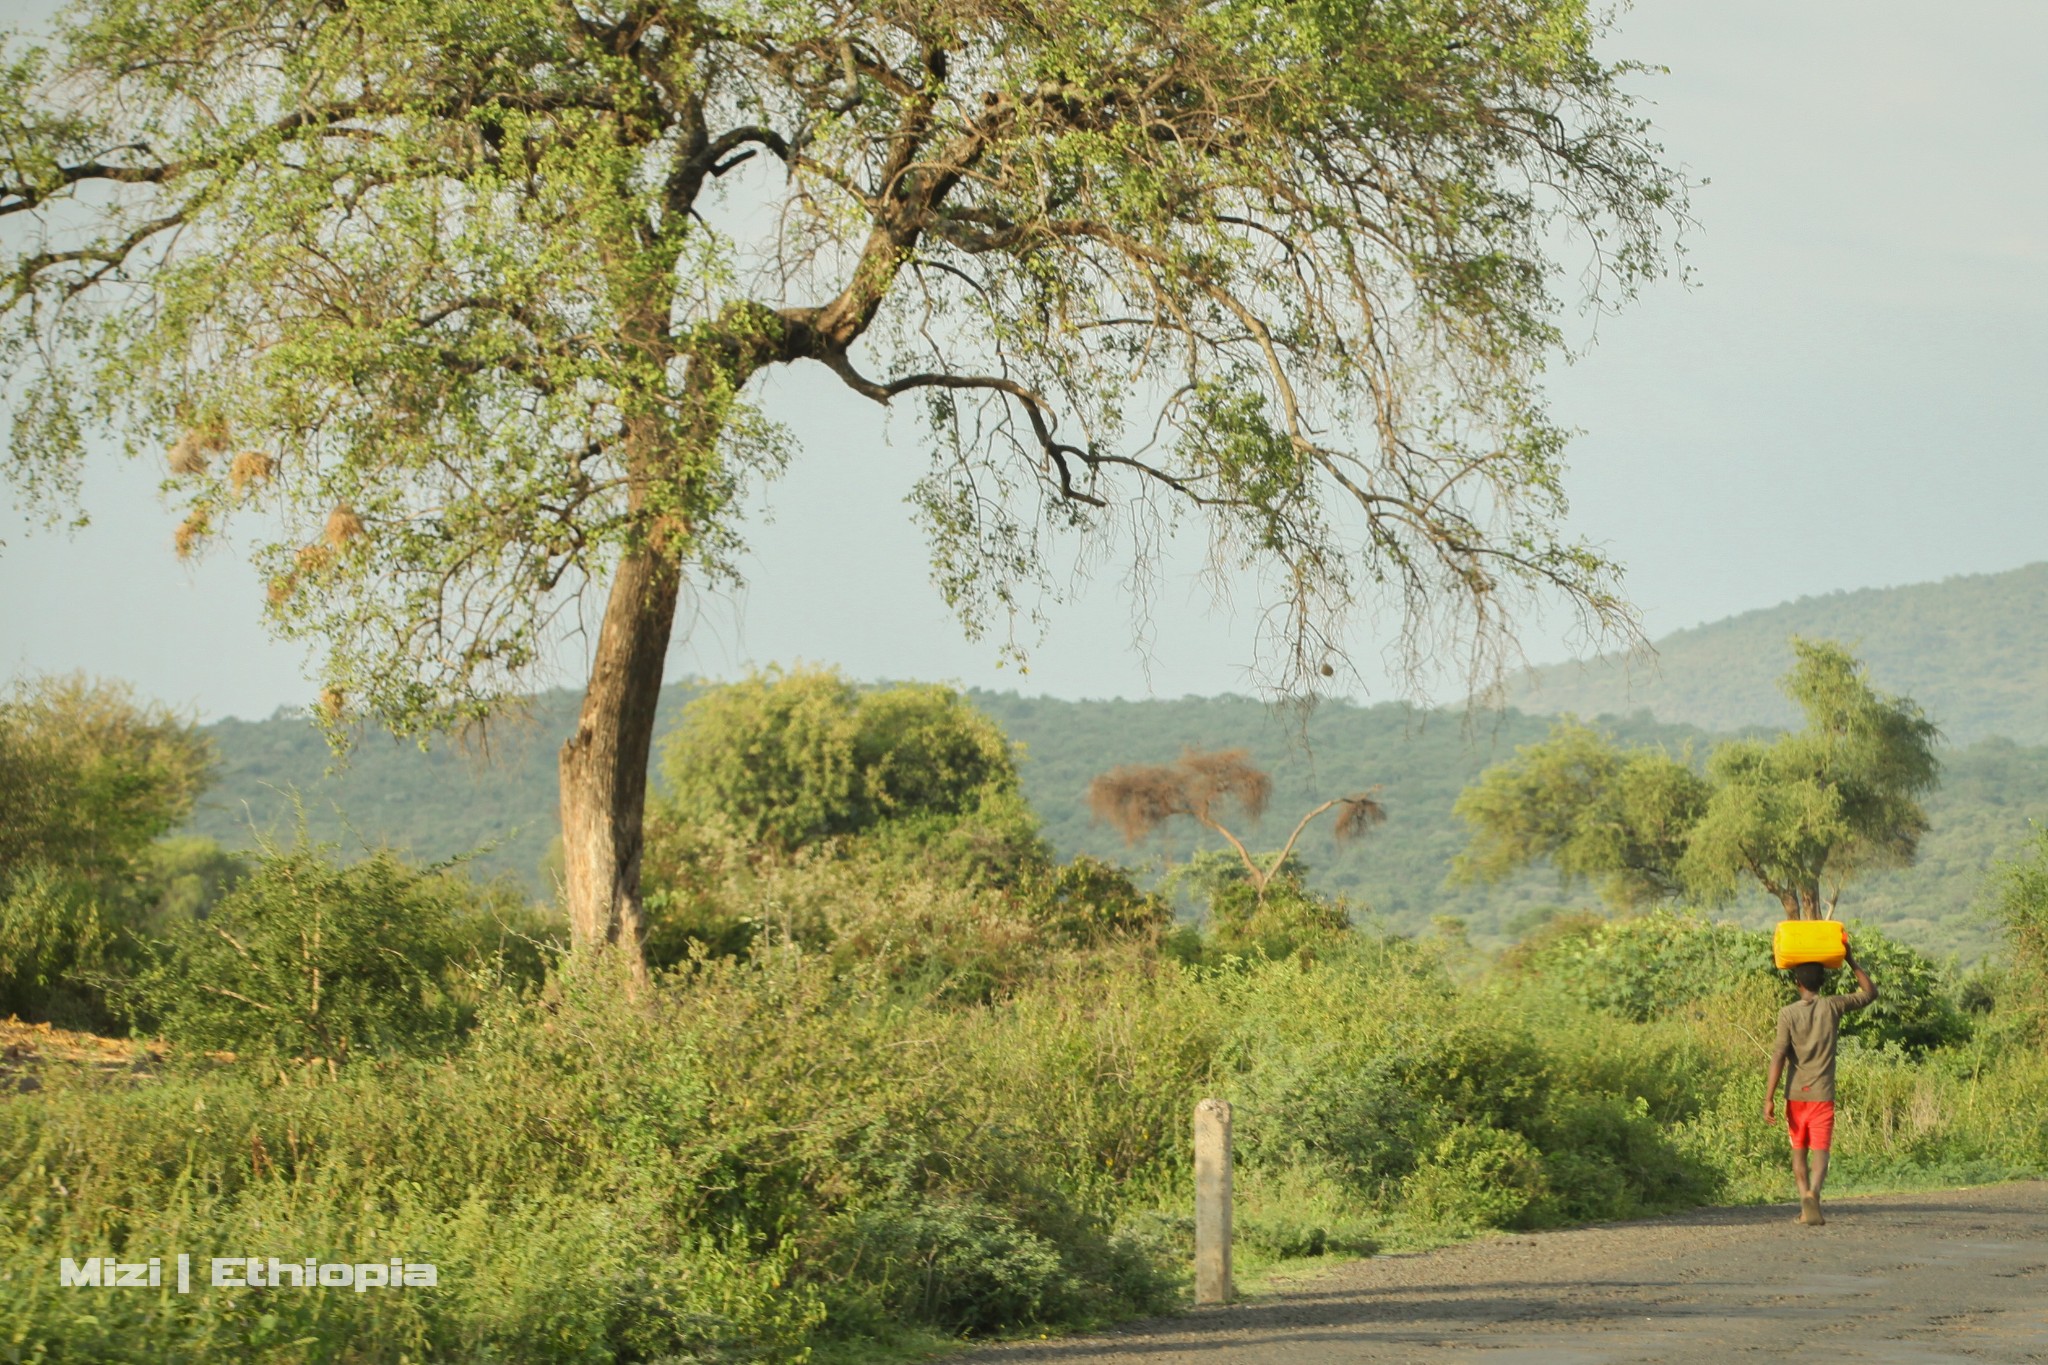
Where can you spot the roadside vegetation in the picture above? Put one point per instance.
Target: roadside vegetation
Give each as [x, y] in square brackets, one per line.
[441, 803]
[905, 1076]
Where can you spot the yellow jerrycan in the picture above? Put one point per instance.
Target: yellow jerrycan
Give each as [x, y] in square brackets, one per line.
[1809, 940]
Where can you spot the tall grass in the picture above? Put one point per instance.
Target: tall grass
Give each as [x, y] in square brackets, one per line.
[786, 1157]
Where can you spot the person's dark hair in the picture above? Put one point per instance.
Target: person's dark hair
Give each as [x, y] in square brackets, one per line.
[1810, 975]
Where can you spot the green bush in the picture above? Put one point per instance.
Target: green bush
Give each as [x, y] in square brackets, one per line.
[787, 759]
[59, 947]
[1643, 967]
[816, 1147]
[307, 958]
[1476, 1176]
[2019, 903]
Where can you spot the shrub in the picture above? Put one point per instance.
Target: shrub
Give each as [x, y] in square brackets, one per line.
[1644, 967]
[305, 958]
[59, 947]
[1476, 1177]
[1288, 919]
[2019, 902]
[1088, 902]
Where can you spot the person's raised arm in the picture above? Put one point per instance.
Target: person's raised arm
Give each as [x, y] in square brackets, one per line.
[1866, 989]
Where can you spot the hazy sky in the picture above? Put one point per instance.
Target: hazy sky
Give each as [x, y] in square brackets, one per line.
[1849, 396]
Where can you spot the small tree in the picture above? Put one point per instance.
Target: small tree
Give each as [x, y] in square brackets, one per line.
[1138, 798]
[469, 298]
[2019, 891]
[1614, 817]
[786, 759]
[1803, 813]
[89, 776]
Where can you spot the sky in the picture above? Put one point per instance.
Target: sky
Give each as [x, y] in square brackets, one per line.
[1848, 393]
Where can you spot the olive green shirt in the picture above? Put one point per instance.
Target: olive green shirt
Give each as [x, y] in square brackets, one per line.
[1806, 1041]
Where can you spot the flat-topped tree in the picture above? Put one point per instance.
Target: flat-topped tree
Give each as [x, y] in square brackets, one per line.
[468, 297]
[1201, 785]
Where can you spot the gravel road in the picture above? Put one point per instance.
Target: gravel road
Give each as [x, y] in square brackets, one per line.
[1952, 1275]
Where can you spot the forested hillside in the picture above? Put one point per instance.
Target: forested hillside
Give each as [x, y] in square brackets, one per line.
[445, 803]
[1972, 650]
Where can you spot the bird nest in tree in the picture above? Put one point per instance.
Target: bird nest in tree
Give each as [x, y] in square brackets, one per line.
[343, 527]
[199, 444]
[250, 467]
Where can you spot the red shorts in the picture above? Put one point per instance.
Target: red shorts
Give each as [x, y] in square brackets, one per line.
[1812, 1123]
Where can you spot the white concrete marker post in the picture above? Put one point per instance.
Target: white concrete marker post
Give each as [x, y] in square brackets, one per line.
[1212, 1202]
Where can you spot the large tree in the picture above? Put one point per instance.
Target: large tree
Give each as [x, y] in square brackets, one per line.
[1799, 814]
[468, 296]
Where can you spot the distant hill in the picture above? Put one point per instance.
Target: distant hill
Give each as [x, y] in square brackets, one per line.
[440, 804]
[1972, 650]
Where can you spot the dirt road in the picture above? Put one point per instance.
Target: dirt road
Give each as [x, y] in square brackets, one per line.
[1959, 1275]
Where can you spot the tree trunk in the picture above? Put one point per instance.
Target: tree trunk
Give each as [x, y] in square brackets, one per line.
[604, 764]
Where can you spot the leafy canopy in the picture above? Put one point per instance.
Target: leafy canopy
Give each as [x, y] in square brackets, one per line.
[461, 299]
[1616, 818]
[1799, 814]
[1808, 810]
[787, 759]
[89, 776]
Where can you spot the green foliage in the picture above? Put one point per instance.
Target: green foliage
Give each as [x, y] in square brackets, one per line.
[306, 959]
[1241, 921]
[883, 827]
[1800, 814]
[796, 1154]
[2020, 905]
[449, 804]
[789, 759]
[89, 776]
[1618, 818]
[1645, 966]
[1477, 1177]
[1806, 811]
[451, 288]
[1089, 901]
[1649, 966]
[58, 943]
[1287, 919]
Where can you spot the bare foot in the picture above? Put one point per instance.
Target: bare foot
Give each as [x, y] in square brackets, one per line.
[1809, 1211]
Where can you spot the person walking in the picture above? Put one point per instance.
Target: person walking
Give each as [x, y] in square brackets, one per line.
[1807, 1032]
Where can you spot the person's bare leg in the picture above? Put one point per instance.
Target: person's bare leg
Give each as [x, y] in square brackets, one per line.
[1818, 1165]
[1809, 1195]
